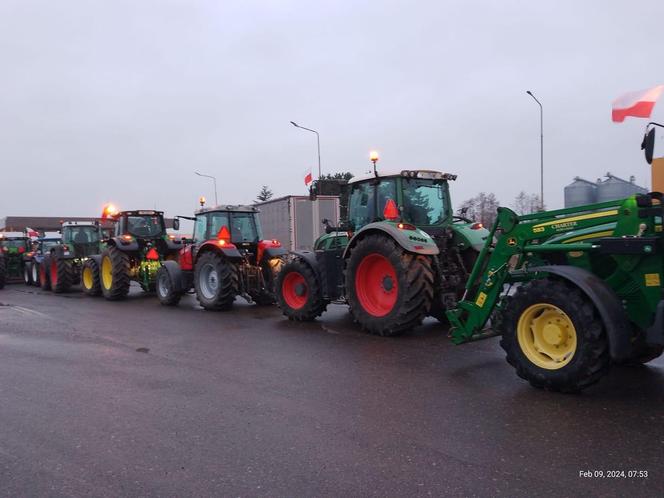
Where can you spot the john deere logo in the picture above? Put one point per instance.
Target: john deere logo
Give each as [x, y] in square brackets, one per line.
[511, 241]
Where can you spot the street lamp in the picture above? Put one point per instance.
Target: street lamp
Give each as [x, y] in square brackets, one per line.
[216, 201]
[541, 149]
[317, 142]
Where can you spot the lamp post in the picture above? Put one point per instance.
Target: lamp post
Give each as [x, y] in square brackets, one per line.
[216, 201]
[317, 142]
[541, 149]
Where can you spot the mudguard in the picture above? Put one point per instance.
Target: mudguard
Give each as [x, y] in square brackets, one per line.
[230, 251]
[275, 252]
[415, 241]
[309, 257]
[173, 244]
[608, 304]
[60, 252]
[97, 259]
[123, 245]
[175, 273]
[466, 237]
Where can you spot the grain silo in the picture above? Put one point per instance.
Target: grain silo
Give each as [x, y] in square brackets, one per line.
[616, 188]
[580, 192]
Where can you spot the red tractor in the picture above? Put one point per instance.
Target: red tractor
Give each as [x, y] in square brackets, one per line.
[226, 258]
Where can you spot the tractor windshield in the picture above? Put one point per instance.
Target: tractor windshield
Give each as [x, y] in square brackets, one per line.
[244, 228]
[80, 235]
[13, 243]
[424, 201]
[145, 226]
[47, 245]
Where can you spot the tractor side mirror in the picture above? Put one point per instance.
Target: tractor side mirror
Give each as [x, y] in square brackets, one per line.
[648, 144]
[176, 224]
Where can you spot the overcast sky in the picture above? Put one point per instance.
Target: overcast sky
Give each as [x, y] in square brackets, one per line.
[123, 100]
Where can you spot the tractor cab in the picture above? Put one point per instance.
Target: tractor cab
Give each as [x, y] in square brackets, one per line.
[83, 237]
[146, 224]
[418, 197]
[236, 226]
[14, 245]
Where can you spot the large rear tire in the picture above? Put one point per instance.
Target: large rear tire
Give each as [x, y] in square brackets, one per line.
[553, 336]
[90, 282]
[298, 292]
[215, 281]
[62, 274]
[166, 292]
[389, 289]
[114, 273]
[44, 280]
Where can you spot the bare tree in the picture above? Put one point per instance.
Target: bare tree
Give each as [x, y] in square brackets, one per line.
[526, 203]
[483, 208]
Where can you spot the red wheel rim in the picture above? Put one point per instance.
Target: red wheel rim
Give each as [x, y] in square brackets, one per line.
[376, 285]
[295, 291]
[54, 272]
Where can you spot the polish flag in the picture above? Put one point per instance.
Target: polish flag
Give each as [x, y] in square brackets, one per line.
[637, 104]
[308, 177]
[31, 233]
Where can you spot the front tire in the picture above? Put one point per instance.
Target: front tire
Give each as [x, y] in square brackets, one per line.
[34, 270]
[90, 282]
[298, 292]
[389, 290]
[166, 292]
[553, 336]
[114, 274]
[215, 281]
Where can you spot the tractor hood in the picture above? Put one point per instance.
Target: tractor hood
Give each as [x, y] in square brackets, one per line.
[469, 235]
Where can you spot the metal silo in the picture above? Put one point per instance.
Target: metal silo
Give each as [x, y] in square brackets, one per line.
[580, 192]
[616, 188]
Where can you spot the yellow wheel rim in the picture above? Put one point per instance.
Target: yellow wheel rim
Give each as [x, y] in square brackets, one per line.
[87, 277]
[546, 336]
[107, 272]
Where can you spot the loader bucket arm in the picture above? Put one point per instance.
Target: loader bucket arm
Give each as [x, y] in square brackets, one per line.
[515, 241]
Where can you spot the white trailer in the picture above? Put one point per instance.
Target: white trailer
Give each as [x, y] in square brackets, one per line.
[296, 221]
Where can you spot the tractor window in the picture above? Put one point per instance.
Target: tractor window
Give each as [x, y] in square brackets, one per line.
[47, 245]
[217, 220]
[145, 226]
[15, 243]
[80, 235]
[200, 228]
[424, 202]
[361, 209]
[386, 190]
[243, 228]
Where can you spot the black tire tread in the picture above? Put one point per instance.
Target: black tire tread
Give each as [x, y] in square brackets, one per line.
[95, 290]
[173, 297]
[65, 273]
[315, 306]
[228, 280]
[120, 270]
[415, 276]
[592, 360]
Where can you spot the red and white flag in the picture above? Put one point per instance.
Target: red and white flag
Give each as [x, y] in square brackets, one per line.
[31, 233]
[308, 177]
[637, 104]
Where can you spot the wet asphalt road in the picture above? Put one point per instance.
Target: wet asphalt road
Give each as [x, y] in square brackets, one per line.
[133, 399]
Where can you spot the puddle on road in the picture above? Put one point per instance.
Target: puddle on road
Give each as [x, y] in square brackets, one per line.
[142, 350]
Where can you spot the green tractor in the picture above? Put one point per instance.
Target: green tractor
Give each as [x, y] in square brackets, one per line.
[14, 245]
[65, 261]
[134, 253]
[400, 255]
[570, 291]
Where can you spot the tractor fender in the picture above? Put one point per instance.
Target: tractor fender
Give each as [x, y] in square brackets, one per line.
[275, 252]
[175, 273]
[415, 241]
[309, 257]
[123, 245]
[228, 252]
[606, 301]
[173, 244]
[466, 237]
[97, 259]
[60, 253]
